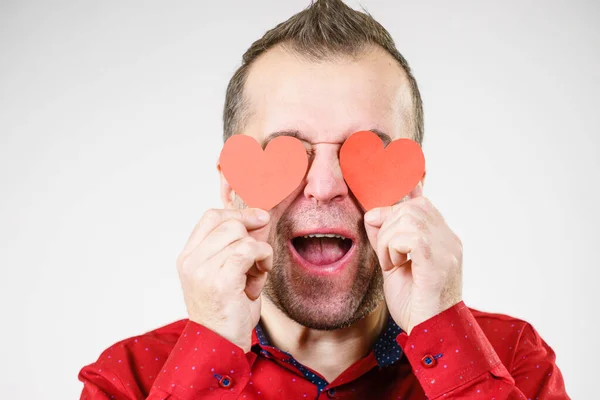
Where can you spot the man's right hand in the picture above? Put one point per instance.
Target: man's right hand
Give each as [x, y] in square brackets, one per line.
[223, 270]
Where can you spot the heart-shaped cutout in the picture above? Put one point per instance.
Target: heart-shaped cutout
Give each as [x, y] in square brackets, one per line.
[263, 178]
[380, 176]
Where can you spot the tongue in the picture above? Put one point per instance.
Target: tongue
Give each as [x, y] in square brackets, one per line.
[321, 251]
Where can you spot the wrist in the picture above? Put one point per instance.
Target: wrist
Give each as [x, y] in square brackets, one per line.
[425, 314]
[244, 343]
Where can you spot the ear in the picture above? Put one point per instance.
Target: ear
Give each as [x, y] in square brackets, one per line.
[227, 193]
[418, 190]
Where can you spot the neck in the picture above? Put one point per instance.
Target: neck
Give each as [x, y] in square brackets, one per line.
[326, 352]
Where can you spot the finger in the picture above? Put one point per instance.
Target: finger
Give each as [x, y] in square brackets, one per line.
[381, 250]
[407, 219]
[377, 216]
[255, 282]
[410, 217]
[403, 276]
[372, 233]
[210, 265]
[399, 249]
[265, 264]
[384, 259]
[406, 224]
[219, 258]
[256, 277]
[251, 218]
[416, 246]
[374, 220]
[246, 255]
[384, 217]
[386, 233]
[380, 233]
[422, 206]
[222, 236]
[242, 267]
[260, 234]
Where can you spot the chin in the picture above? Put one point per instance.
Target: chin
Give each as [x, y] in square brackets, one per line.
[328, 297]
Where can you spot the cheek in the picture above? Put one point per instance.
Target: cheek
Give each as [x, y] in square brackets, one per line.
[276, 214]
[281, 208]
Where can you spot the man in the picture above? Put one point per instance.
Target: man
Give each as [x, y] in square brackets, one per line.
[316, 298]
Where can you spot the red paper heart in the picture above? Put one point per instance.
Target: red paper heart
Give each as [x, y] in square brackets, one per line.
[380, 176]
[263, 178]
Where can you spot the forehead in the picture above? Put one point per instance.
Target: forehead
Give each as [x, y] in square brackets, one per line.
[327, 100]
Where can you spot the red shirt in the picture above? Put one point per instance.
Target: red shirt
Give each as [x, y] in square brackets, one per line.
[458, 354]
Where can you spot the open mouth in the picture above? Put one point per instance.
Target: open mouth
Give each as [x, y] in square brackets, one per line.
[322, 249]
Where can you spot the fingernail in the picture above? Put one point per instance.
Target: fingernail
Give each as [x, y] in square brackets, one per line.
[372, 215]
[262, 215]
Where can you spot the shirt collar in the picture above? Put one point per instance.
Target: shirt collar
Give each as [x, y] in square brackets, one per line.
[386, 349]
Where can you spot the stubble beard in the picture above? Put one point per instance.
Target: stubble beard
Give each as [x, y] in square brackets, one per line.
[312, 300]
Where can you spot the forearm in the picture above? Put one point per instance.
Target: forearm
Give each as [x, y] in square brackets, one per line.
[452, 358]
[202, 364]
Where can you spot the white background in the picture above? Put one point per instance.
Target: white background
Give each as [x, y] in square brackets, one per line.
[110, 127]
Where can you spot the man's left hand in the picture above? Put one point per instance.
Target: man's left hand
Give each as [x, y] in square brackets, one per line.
[428, 283]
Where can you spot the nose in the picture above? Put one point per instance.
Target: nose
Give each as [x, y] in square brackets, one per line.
[324, 181]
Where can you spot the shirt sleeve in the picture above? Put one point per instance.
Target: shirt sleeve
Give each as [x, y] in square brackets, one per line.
[202, 365]
[453, 359]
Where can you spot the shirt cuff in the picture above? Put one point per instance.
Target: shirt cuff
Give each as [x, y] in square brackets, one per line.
[448, 350]
[205, 365]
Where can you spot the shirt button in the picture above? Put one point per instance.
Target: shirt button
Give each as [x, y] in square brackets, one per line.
[331, 393]
[428, 361]
[225, 381]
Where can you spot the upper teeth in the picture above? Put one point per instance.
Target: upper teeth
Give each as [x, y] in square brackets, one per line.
[321, 235]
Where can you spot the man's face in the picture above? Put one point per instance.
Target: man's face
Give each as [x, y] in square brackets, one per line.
[331, 281]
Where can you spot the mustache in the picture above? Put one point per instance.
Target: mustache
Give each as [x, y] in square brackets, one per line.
[320, 216]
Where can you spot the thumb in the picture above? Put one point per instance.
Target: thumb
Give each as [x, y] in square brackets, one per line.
[261, 234]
